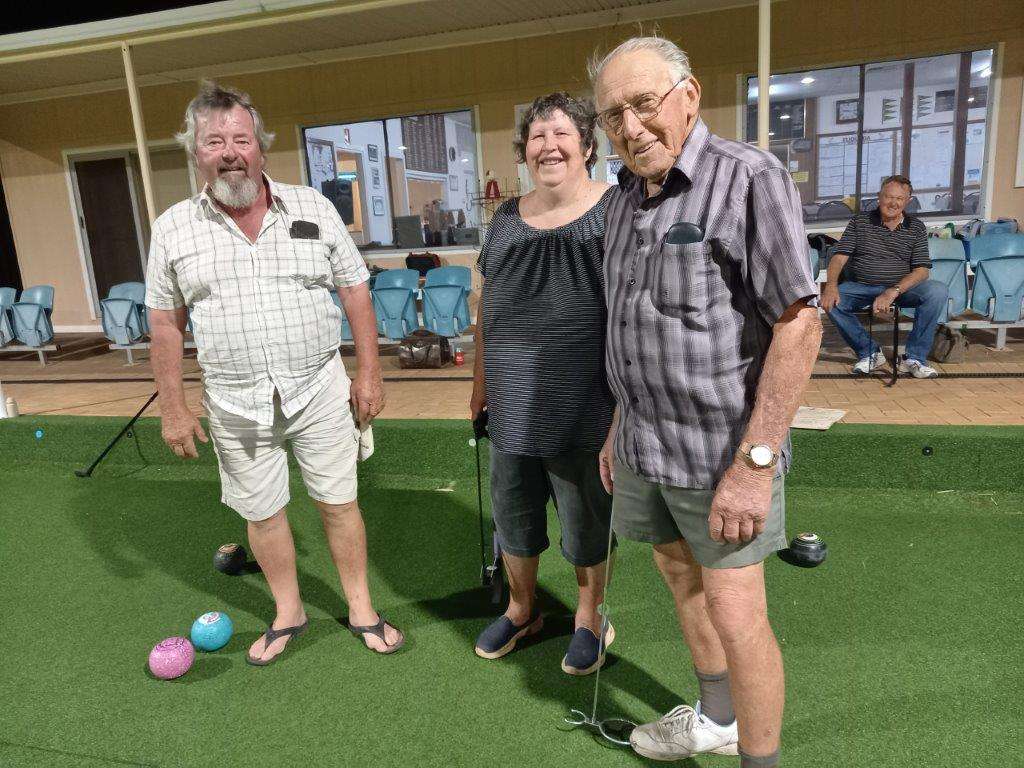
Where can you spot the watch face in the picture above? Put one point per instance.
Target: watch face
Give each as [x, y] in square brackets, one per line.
[761, 455]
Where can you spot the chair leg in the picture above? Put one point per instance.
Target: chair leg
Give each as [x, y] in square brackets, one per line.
[895, 345]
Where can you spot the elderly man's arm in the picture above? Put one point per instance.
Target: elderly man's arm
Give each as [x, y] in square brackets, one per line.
[178, 425]
[368, 386]
[743, 497]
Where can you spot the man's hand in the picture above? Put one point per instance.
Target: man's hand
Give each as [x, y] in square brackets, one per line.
[884, 301]
[741, 503]
[478, 401]
[367, 397]
[829, 297]
[606, 462]
[178, 429]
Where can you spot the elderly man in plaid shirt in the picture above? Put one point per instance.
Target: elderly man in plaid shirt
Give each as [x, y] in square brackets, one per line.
[255, 262]
[712, 334]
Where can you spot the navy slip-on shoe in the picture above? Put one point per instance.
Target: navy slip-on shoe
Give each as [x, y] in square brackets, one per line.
[585, 654]
[501, 635]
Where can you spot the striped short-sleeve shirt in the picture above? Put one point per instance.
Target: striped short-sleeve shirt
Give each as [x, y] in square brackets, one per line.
[883, 256]
[543, 318]
[689, 325]
[262, 314]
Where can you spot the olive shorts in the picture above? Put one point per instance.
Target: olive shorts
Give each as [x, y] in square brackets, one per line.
[658, 514]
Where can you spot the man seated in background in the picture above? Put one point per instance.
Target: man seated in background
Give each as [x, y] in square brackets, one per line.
[887, 252]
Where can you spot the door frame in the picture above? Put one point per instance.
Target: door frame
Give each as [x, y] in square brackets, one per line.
[71, 155]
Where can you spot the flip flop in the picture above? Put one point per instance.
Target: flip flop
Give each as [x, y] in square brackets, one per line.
[271, 636]
[378, 631]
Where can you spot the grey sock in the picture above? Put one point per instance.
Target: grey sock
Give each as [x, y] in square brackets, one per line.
[765, 761]
[715, 700]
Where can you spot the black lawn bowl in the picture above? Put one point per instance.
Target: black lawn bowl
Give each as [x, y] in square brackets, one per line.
[805, 551]
[230, 559]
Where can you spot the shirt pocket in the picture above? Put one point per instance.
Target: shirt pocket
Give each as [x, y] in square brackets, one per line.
[683, 281]
[306, 262]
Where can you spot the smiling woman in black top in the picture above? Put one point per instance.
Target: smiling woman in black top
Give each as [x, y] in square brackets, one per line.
[540, 374]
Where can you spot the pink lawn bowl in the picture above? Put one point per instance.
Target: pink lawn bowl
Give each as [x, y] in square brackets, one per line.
[171, 658]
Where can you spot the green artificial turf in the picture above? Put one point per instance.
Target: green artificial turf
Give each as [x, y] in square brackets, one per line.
[904, 649]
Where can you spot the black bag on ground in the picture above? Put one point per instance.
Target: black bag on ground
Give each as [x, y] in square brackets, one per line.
[950, 345]
[424, 349]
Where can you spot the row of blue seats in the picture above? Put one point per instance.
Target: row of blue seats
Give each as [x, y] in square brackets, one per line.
[445, 306]
[26, 318]
[997, 261]
[445, 295]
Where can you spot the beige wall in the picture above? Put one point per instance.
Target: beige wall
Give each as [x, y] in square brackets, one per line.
[494, 76]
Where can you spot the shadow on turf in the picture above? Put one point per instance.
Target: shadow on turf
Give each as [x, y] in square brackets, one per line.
[205, 667]
[174, 528]
[442, 551]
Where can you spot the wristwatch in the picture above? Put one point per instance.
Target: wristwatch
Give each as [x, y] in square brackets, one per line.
[759, 455]
[899, 291]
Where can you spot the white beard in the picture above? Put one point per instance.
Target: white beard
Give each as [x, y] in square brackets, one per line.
[236, 195]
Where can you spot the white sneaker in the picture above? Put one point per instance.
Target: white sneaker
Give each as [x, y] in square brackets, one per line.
[683, 732]
[917, 369]
[866, 365]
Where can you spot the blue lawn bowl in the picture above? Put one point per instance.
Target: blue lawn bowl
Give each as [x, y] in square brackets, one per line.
[211, 631]
[39, 434]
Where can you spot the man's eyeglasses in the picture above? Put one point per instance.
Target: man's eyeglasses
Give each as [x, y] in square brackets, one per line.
[646, 107]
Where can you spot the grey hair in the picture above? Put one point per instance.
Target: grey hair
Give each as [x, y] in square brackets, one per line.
[212, 96]
[672, 54]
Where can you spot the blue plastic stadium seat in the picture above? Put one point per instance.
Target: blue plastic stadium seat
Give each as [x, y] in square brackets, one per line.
[123, 313]
[121, 321]
[992, 246]
[137, 293]
[448, 276]
[999, 288]
[398, 278]
[31, 324]
[443, 309]
[396, 312]
[39, 294]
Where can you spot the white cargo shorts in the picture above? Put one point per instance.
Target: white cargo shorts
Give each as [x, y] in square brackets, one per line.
[254, 465]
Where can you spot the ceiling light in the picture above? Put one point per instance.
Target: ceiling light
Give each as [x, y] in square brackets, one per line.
[465, 159]
[402, 148]
[771, 133]
[783, 117]
[806, 80]
[970, 99]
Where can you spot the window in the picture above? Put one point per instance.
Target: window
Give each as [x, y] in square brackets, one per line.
[840, 131]
[405, 182]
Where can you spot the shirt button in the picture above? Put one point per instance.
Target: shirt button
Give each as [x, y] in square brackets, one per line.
[632, 281]
[623, 323]
[640, 241]
[629, 362]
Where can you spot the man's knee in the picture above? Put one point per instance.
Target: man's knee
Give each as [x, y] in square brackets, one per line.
[337, 512]
[737, 612]
[276, 520]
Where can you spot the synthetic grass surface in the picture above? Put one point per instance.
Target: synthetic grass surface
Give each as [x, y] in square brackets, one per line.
[904, 649]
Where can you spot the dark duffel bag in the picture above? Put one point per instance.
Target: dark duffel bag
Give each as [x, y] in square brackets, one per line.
[424, 349]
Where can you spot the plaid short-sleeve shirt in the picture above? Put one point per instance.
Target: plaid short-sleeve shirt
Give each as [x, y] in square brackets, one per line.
[689, 325]
[262, 313]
